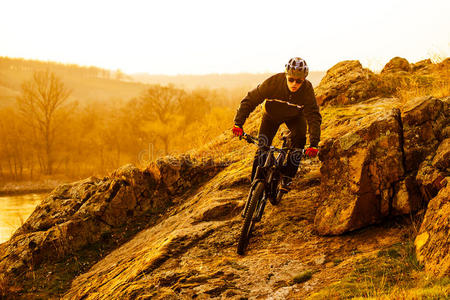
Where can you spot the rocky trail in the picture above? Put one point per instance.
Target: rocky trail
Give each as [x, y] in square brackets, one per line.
[369, 219]
[192, 253]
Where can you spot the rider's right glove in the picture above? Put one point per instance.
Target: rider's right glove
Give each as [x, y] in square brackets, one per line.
[311, 151]
[237, 130]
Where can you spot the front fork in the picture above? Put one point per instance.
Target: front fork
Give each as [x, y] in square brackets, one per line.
[263, 201]
[249, 197]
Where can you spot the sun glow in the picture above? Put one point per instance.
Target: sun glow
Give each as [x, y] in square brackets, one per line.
[198, 37]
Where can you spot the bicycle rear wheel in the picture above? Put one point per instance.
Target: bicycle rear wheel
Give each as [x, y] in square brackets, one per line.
[273, 192]
[249, 218]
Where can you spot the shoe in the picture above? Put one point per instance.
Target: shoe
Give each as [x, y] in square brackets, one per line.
[285, 185]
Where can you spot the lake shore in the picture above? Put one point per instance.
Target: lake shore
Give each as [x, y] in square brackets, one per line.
[26, 187]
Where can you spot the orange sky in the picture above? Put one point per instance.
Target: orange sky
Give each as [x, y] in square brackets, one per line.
[198, 37]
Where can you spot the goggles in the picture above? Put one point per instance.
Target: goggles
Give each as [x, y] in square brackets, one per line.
[290, 79]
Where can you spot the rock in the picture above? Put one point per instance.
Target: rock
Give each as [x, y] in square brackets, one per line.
[423, 120]
[432, 242]
[61, 204]
[346, 82]
[158, 245]
[78, 214]
[176, 174]
[432, 174]
[443, 67]
[442, 158]
[397, 64]
[359, 172]
[408, 198]
[423, 66]
[219, 211]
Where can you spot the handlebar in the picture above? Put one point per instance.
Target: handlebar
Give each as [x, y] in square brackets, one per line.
[249, 138]
[254, 140]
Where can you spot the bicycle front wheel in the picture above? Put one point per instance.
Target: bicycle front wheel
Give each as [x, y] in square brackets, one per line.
[249, 218]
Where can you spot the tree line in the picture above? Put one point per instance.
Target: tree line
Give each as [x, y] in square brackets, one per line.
[20, 64]
[46, 133]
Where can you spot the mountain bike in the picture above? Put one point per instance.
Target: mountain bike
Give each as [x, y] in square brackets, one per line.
[265, 186]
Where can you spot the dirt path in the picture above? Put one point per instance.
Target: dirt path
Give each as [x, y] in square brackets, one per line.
[192, 253]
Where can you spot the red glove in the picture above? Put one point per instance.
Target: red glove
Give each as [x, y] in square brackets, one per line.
[312, 151]
[237, 130]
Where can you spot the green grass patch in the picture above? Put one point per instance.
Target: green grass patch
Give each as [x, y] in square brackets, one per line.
[303, 277]
[392, 272]
[337, 261]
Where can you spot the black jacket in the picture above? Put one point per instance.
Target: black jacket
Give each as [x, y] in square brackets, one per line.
[282, 105]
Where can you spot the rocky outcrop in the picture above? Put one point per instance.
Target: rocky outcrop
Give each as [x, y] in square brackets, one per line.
[423, 66]
[372, 167]
[359, 172]
[424, 120]
[442, 158]
[432, 243]
[407, 198]
[346, 82]
[375, 163]
[78, 214]
[397, 64]
[430, 180]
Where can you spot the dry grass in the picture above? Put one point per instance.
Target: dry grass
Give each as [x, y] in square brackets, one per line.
[393, 273]
[412, 86]
[3, 286]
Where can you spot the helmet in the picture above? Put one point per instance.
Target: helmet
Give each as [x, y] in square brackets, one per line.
[297, 67]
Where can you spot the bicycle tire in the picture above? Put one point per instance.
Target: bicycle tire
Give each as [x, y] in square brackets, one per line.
[274, 192]
[279, 196]
[248, 222]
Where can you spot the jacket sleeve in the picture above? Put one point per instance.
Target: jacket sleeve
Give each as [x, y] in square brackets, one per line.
[313, 117]
[251, 101]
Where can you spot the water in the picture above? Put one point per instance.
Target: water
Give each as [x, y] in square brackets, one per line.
[14, 210]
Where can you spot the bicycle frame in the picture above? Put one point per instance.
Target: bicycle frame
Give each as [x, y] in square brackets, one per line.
[270, 171]
[264, 186]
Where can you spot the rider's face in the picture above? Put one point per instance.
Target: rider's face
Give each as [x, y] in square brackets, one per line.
[293, 83]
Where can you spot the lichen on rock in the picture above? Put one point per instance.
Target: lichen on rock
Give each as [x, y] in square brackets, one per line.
[78, 214]
[358, 177]
[432, 243]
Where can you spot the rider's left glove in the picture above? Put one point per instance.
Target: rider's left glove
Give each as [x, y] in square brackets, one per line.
[237, 130]
[312, 151]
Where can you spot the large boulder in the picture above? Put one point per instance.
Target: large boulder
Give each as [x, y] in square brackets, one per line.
[397, 64]
[346, 82]
[430, 180]
[433, 173]
[407, 199]
[384, 164]
[81, 213]
[433, 243]
[424, 121]
[422, 67]
[442, 158]
[360, 170]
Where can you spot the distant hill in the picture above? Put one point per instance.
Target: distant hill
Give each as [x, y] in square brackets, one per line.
[86, 83]
[228, 81]
[93, 83]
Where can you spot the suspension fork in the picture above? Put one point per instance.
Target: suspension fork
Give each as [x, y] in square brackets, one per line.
[259, 177]
[252, 188]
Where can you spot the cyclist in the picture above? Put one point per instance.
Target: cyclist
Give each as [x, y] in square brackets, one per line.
[288, 98]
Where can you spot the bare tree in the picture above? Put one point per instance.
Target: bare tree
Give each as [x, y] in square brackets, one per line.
[160, 108]
[44, 105]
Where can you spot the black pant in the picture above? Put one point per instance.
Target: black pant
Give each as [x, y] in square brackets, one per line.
[297, 139]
